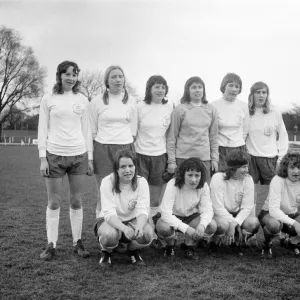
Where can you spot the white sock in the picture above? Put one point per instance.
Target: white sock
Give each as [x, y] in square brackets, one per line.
[52, 222]
[76, 217]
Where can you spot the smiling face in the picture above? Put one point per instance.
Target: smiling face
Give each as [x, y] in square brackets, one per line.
[293, 173]
[260, 97]
[158, 92]
[241, 172]
[116, 81]
[69, 79]
[126, 170]
[231, 91]
[192, 179]
[196, 92]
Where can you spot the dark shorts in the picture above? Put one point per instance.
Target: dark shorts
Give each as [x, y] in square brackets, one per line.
[152, 168]
[223, 152]
[285, 228]
[59, 166]
[262, 169]
[100, 220]
[206, 164]
[104, 157]
[185, 219]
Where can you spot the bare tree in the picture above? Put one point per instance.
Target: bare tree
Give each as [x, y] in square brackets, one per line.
[91, 84]
[21, 76]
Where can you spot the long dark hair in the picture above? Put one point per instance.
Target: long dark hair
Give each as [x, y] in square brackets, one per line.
[290, 159]
[116, 183]
[186, 94]
[155, 79]
[190, 164]
[106, 76]
[61, 69]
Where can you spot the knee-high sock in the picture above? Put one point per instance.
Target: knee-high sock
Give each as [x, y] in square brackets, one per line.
[52, 222]
[76, 217]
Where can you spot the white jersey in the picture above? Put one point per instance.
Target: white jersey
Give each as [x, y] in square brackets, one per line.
[233, 118]
[126, 205]
[64, 127]
[283, 199]
[232, 196]
[153, 123]
[184, 202]
[114, 123]
[262, 140]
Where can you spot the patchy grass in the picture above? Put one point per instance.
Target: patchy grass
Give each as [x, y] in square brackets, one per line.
[24, 276]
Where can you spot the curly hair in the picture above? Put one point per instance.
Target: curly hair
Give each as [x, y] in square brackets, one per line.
[235, 160]
[251, 103]
[116, 165]
[106, 77]
[190, 164]
[291, 159]
[61, 69]
[229, 78]
[186, 94]
[155, 79]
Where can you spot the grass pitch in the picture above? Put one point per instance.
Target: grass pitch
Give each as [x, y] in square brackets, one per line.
[23, 275]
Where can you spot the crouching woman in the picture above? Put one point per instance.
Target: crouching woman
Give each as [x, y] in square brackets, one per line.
[125, 204]
[232, 195]
[186, 206]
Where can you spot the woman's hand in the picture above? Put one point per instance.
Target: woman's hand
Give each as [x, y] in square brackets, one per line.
[44, 168]
[90, 171]
[199, 232]
[129, 232]
[190, 232]
[172, 168]
[214, 166]
[229, 236]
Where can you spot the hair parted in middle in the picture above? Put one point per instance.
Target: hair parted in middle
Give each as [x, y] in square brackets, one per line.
[106, 77]
[190, 164]
[251, 104]
[61, 69]
[229, 78]
[235, 160]
[186, 93]
[155, 79]
[116, 165]
[291, 159]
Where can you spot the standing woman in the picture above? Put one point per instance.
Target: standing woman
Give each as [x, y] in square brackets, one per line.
[65, 147]
[233, 117]
[194, 129]
[154, 115]
[267, 141]
[113, 122]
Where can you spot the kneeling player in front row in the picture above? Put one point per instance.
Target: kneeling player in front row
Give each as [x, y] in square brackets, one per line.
[232, 195]
[280, 211]
[125, 205]
[186, 206]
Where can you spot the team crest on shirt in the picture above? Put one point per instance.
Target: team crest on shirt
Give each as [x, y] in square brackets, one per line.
[132, 204]
[78, 108]
[166, 121]
[239, 119]
[128, 115]
[239, 197]
[268, 130]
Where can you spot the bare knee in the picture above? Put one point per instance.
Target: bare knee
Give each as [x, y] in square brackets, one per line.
[75, 200]
[164, 229]
[109, 236]
[53, 201]
[211, 228]
[222, 226]
[251, 224]
[273, 226]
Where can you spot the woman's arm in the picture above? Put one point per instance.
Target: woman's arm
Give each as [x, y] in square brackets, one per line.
[205, 207]
[86, 130]
[246, 123]
[93, 115]
[283, 139]
[214, 140]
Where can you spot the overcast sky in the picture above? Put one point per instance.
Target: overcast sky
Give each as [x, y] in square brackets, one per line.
[257, 39]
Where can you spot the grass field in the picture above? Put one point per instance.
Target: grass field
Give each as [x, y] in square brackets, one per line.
[24, 276]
